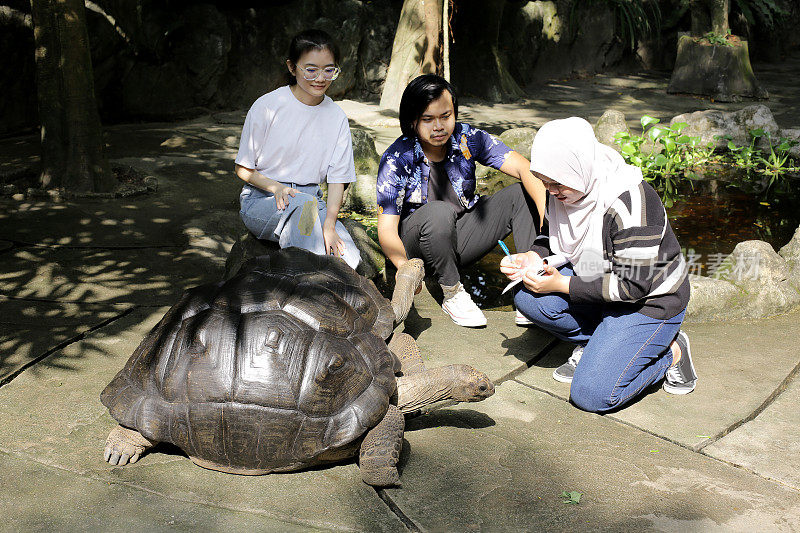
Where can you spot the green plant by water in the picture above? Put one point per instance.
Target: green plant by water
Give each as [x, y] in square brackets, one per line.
[669, 158]
[664, 154]
[774, 166]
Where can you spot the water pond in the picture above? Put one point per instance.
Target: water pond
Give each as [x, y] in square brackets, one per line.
[709, 218]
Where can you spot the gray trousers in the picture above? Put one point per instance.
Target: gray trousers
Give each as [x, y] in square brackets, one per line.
[445, 241]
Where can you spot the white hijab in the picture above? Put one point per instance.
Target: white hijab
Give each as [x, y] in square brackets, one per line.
[566, 151]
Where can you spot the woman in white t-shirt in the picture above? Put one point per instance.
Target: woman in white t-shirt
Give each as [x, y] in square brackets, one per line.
[293, 139]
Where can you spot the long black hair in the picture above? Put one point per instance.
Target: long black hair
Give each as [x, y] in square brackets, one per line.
[418, 95]
[308, 40]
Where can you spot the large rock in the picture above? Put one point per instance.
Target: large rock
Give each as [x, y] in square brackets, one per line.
[519, 140]
[712, 299]
[365, 156]
[360, 196]
[752, 282]
[793, 134]
[713, 123]
[373, 261]
[720, 71]
[764, 276]
[791, 254]
[608, 125]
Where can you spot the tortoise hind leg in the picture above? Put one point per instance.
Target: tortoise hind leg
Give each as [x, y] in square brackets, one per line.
[125, 446]
[405, 348]
[380, 450]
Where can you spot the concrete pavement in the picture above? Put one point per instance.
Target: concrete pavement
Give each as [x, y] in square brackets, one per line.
[81, 283]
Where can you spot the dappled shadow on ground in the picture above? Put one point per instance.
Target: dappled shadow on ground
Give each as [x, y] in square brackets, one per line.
[634, 95]
[75, 266]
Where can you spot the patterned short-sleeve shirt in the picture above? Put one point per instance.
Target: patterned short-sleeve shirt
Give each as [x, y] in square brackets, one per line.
[402, 184]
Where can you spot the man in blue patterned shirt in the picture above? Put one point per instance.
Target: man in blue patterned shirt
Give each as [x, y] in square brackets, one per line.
[427, 205]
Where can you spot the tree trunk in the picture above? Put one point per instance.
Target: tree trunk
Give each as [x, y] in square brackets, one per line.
[478, 66]
[705, 67]
[72, 139]
[415, 50]
[709, 16]
[446, 39]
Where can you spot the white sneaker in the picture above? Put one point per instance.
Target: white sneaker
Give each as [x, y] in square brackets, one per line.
[463, 310]
[522, 320]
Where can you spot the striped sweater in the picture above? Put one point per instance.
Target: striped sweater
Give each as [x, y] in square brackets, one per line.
[644, 268]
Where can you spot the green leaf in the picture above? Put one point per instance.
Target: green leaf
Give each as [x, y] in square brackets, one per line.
[668, 202]
[647, 120]
[669, 144]
[757, 132]
[656, 132]
[683, 139]
[679, 127]
[661, 160]
[636, 160]
[572, 497]
[628, 148]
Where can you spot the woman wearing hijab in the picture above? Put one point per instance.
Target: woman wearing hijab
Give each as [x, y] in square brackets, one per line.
[609, 277]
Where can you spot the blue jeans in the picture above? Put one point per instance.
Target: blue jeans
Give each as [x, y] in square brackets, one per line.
[299, 224]
[625, 352]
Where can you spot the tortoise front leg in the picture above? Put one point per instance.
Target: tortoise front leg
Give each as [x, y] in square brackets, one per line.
[125, 446]
[380, 450]
[405, 348]
[408, 282]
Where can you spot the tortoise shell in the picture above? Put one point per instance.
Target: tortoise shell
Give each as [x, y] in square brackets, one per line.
[275, 369]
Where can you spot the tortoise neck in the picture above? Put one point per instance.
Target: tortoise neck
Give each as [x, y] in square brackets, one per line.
[420, 389]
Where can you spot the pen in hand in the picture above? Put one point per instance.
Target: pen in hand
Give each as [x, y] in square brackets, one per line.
[508, 253]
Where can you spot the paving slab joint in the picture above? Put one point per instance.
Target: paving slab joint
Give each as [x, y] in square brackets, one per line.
[60, 346]
[766, 403]
[394, 508]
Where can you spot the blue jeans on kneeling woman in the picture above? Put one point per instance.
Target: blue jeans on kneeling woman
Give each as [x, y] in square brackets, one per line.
[624, 352]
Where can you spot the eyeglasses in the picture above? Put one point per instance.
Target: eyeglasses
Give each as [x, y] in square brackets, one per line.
[312, 73]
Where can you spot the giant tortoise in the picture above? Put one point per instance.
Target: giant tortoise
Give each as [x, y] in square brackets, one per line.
[282, 367]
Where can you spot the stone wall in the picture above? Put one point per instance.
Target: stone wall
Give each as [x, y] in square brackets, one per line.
[170, 59]
[549, 39]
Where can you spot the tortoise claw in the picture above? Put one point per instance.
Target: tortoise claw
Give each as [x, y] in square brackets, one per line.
[124, 446]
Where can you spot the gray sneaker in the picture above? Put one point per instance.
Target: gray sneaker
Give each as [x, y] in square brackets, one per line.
[565, 372]
[681, 377]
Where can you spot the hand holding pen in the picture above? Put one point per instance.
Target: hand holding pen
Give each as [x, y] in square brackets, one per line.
[515, 266]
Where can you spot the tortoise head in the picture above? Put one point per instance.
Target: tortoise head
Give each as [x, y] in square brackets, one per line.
[470, 384]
